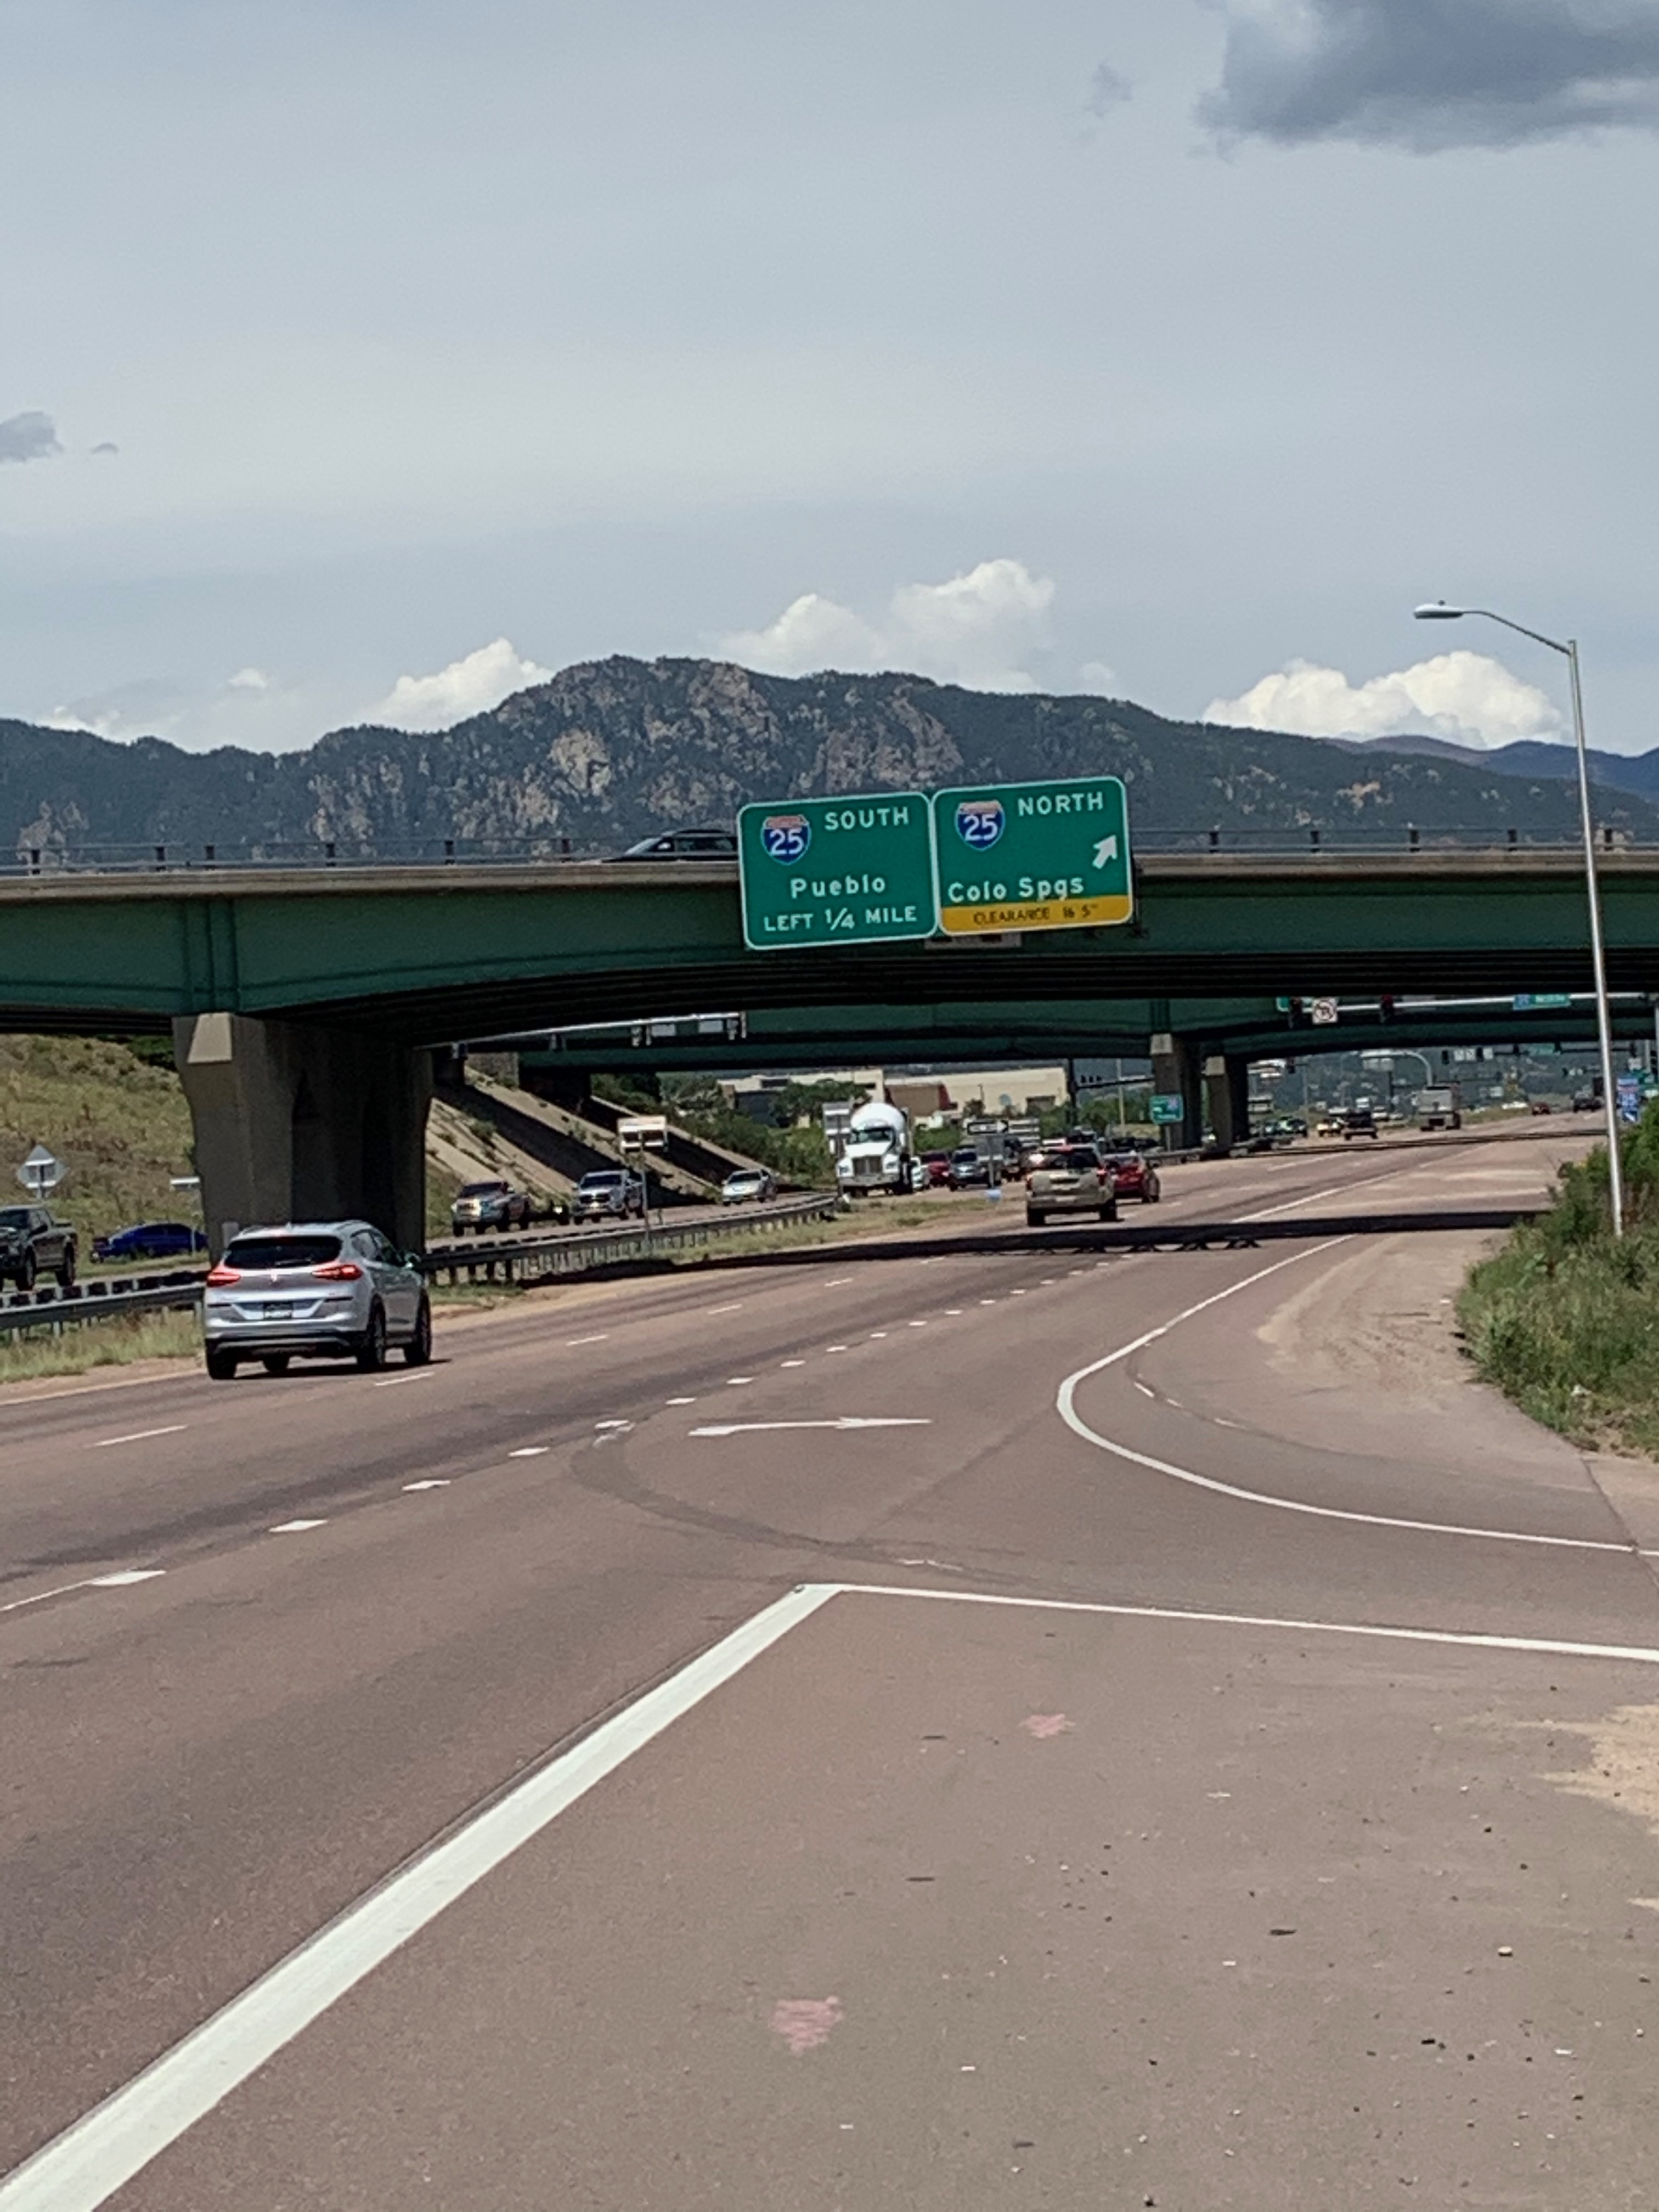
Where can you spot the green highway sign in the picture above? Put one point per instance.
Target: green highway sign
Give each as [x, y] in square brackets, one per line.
[1168, 1106]
[854, 870]
[1032, 855]
[1526, 1002]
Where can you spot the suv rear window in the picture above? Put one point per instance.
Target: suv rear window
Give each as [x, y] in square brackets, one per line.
[282, 1251]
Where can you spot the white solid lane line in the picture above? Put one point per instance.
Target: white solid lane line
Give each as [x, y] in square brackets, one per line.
[84, 2167]
[139, 1436]
[571, 1342]
[1641, 1654]
[1065, 1406]
[124, 1578]
[294, 1528]
[529, 1451]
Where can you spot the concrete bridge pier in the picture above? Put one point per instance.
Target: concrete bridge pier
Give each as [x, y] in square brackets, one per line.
[1227, 1099]
[1175, 1072]
[295, 1123]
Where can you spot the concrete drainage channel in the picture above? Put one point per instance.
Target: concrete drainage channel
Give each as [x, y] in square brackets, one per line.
[533, 1256]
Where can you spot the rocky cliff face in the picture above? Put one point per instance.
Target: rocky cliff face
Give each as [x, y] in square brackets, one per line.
[613, 750]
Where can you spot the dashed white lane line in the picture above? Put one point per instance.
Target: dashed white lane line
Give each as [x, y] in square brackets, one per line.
[679, 1401]
[431, 1482]
[839, 1283]
[139, 1436]
[1145, 1389]
[735, 1381]
[846, 1421]
[294, 1528]
[1065, 1406]
[1308, 1197]
[953, 1311]
[123, 1578]
[737, 1307]
[529, 1451]
[415, 1375]
[988, 1301]
[792, 1363]
[571, 1342]
[916, 1324]
[835, 1348]
[613, 1424]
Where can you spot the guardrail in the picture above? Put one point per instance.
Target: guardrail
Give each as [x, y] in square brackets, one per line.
[530, 1256]
[533, 1257]
[1313, 839]
[99, 1298]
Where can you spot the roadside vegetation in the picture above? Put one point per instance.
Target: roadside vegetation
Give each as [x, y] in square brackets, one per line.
[118, 1121]
[1564, 1320]
[114, 1343]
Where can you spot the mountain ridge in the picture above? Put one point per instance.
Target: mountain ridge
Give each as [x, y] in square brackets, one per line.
[608, 751]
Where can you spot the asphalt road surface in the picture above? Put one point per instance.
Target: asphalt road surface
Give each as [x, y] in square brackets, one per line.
[1061, 1727]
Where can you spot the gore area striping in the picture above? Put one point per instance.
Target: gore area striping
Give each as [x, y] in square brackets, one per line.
[85, 2165]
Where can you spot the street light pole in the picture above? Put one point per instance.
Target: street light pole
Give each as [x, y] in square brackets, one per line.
[1437, 610]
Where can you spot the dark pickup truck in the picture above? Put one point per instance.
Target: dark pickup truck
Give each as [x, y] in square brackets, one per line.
[32, 1244]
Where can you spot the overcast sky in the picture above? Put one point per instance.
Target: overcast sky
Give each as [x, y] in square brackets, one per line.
[368, 357]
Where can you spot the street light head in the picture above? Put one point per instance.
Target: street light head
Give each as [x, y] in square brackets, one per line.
[1437, 610]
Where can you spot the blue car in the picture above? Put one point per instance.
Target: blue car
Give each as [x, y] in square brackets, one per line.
[151, 1240]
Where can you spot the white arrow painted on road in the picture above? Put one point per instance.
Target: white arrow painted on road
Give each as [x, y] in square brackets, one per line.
[1106, 850]
[847, 1421]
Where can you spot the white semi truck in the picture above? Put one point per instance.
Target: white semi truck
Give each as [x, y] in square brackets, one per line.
[1440, 1107]
[875, 1153]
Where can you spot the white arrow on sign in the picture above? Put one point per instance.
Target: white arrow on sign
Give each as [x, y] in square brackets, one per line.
[1106, 850]
[42, 1171]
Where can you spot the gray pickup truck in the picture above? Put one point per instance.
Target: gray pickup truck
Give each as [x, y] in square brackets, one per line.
[33, 1244]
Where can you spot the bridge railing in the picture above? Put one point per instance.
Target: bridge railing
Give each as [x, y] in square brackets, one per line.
[1310, 839]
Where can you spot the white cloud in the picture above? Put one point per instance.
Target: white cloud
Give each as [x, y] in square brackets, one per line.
[974, 630]
[471, 685]
[1094, 676]
[149, 707]
[249, 679]
[1464, 696]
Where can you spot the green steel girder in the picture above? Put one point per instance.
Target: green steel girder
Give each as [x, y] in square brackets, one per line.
[428, 954]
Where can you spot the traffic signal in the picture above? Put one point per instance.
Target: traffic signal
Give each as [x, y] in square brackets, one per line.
[1385, 1007]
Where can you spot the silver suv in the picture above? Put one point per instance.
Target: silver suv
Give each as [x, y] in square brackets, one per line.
[608, 1194]
[318, 1290]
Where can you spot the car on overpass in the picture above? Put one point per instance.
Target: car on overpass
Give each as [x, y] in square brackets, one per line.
[684, 845]
[314, 1290]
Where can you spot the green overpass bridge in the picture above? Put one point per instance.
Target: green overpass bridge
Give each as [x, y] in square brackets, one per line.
[303, 1002]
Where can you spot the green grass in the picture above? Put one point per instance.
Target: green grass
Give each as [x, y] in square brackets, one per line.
[1565, 1322]
[119, 1126]
[115, 1343]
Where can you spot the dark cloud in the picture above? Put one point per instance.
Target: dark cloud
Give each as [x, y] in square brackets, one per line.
[1108, 88]
[29, 437]
[1432, 75]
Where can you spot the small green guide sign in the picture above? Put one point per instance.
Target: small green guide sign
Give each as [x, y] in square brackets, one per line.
[1168, 1106]
[855, 870]
[1032, 856]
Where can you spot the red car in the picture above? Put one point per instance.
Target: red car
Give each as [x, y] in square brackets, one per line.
[938, 1165]
[1135, 1177]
